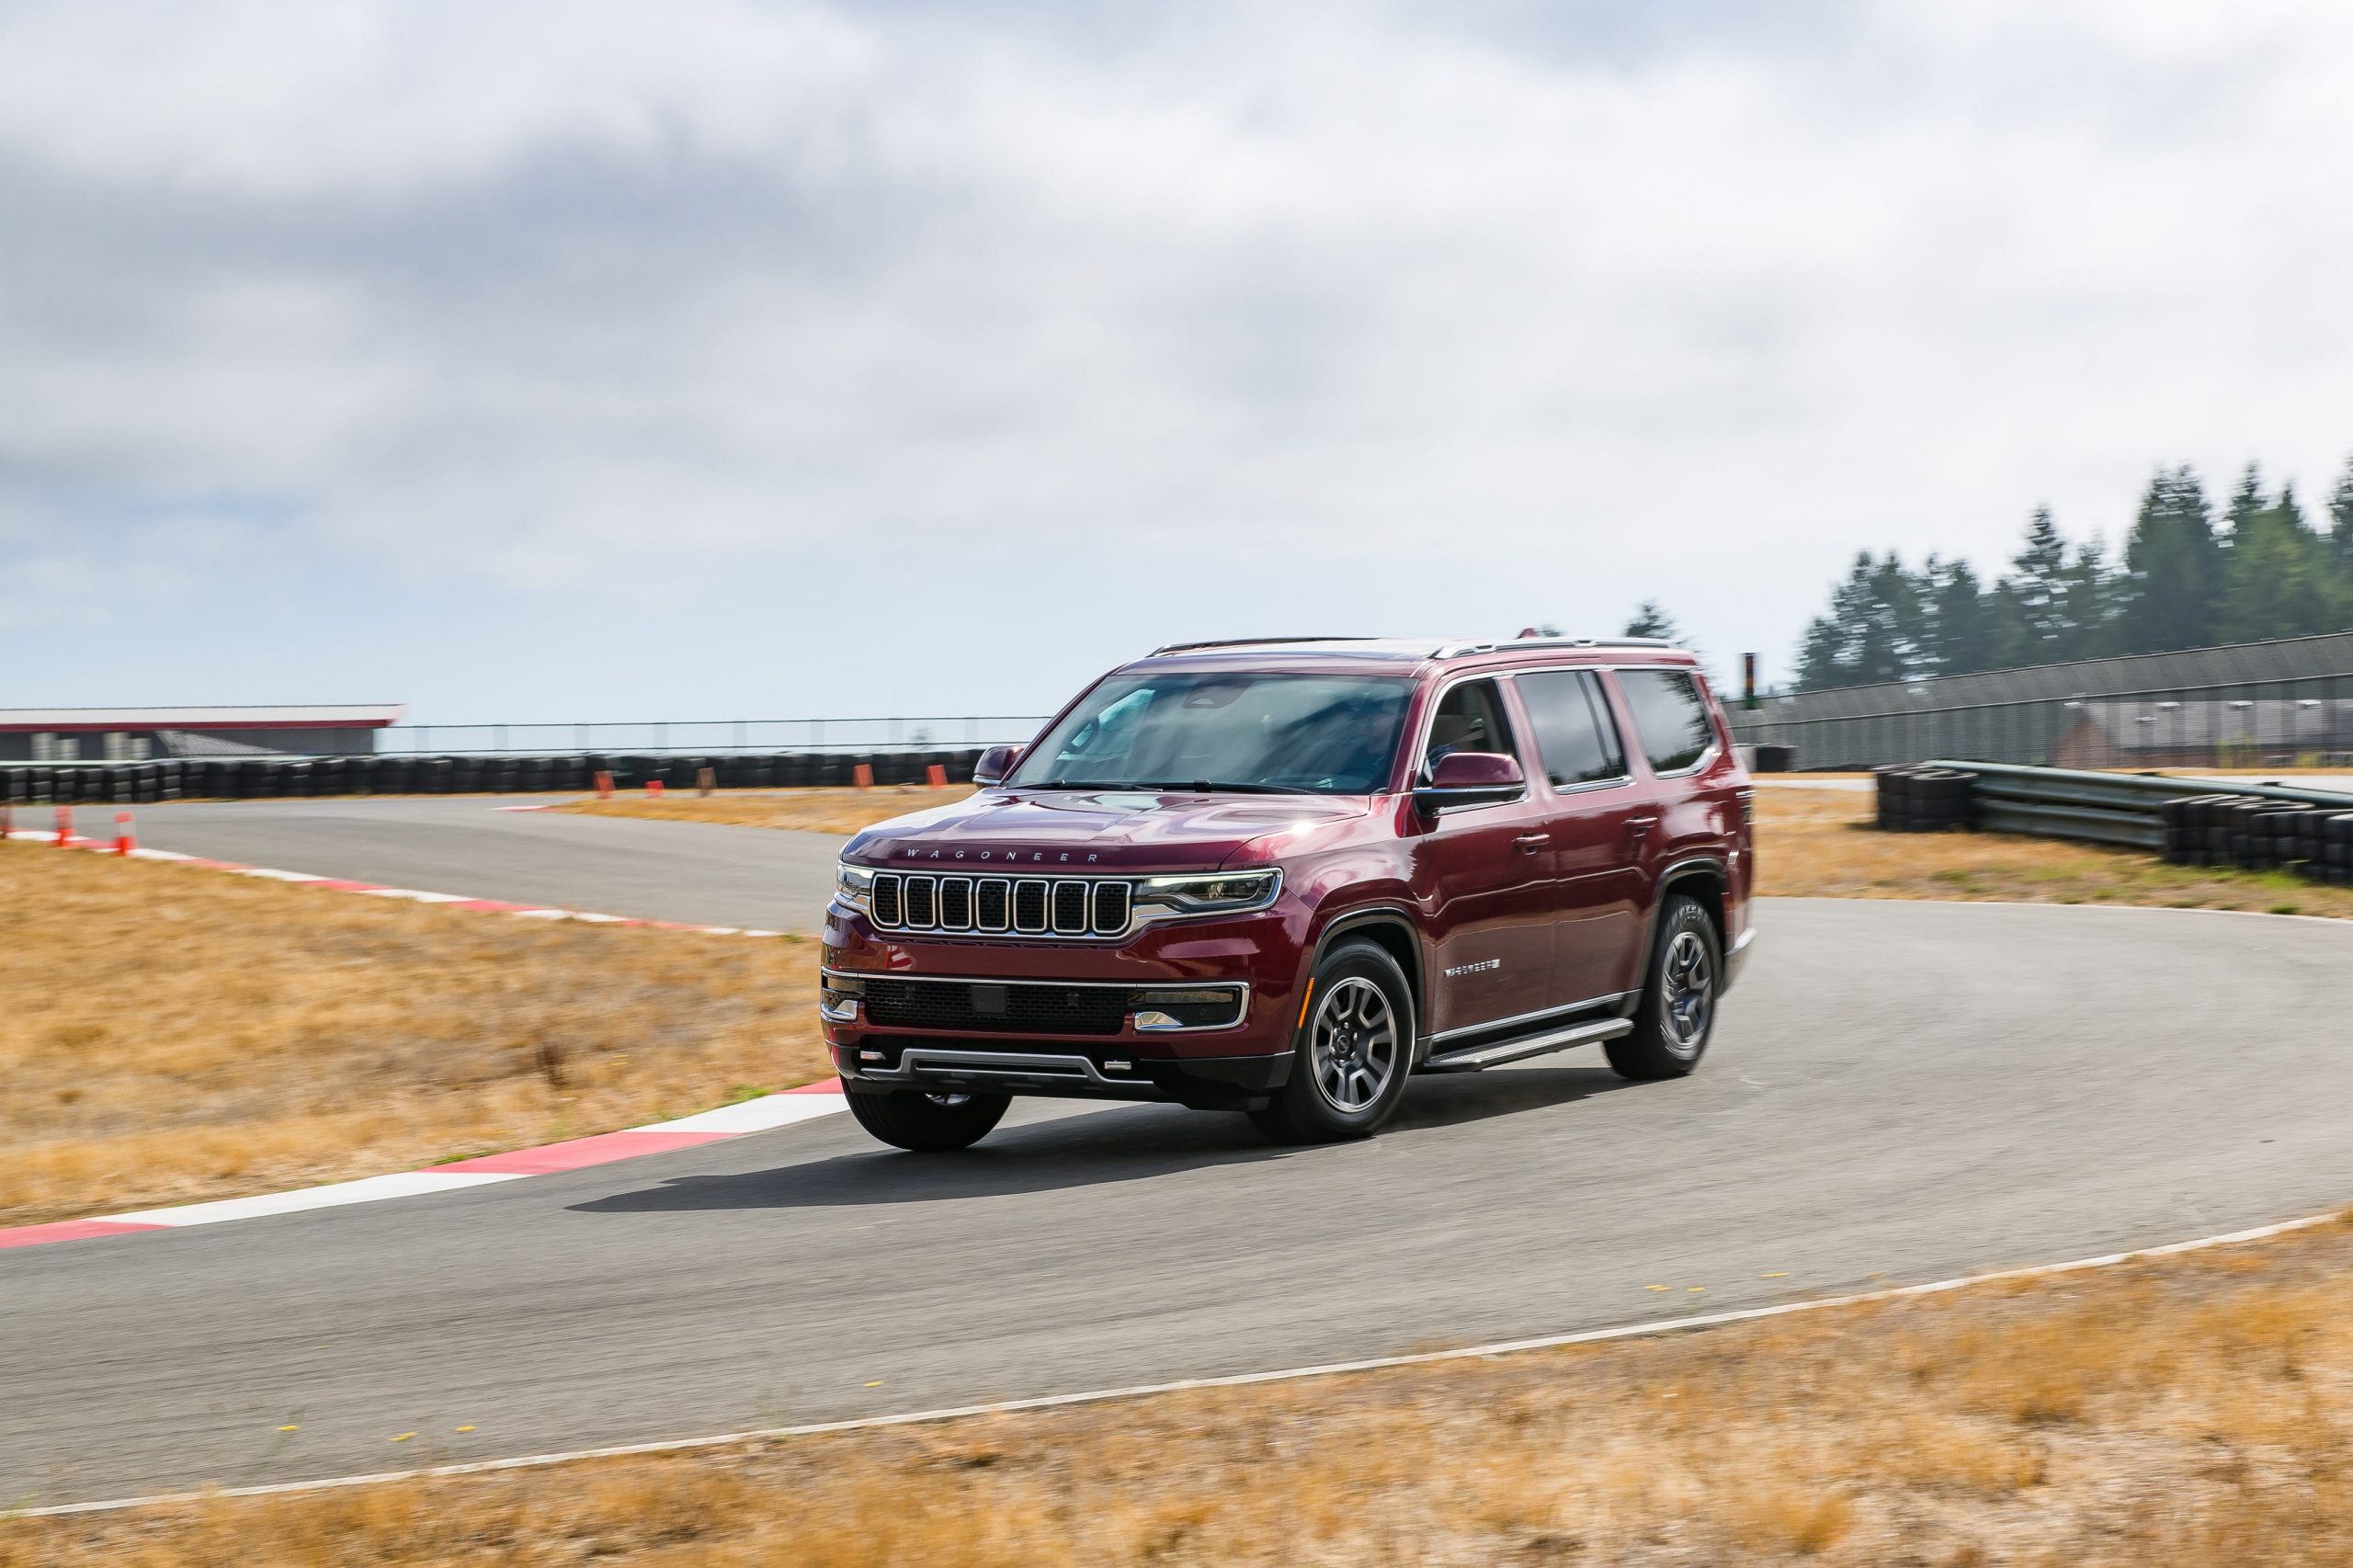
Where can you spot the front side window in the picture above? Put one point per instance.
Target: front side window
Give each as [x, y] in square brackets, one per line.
[1184, 730]
[1670, 717]
[1574, 734]
[1470, 717]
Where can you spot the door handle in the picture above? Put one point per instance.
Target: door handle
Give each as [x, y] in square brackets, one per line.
[1529, 843]
[1640, 827]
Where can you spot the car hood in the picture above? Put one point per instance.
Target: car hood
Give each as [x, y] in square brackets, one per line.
[1107, 830]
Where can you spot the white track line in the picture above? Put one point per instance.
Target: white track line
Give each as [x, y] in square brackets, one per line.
[366, 1189]
[1141, 1391]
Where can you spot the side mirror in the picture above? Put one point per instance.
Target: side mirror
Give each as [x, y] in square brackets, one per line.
[1471, 779]
[994, 763]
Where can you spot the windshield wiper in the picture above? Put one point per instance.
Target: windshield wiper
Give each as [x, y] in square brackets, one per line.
[1170, 785]
[1203, 787]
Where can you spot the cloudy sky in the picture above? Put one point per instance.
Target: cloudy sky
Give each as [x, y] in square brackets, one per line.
[591, 360]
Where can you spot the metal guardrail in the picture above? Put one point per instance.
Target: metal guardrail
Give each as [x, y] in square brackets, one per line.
[2124, 808]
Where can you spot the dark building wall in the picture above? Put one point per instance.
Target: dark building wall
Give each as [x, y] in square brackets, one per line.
[18, 747]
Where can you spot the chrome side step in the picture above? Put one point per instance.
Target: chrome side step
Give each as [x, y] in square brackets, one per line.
[1471, 1061]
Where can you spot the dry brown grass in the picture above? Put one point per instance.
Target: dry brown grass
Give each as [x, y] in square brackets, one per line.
[843, 812]
[168, 1032]
[2191, 1410]
[1820, 843]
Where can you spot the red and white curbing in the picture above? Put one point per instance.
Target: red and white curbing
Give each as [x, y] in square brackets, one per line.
[762, 1115]
[414, 895]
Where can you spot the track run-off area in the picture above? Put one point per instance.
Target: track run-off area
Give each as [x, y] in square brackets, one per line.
[1898, 1092]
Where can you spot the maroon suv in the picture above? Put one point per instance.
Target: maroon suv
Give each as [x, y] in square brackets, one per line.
[1279, 877]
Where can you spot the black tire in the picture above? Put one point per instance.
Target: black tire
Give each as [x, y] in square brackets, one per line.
[928, 1124]
[1679, 1010]
[1352, 1052]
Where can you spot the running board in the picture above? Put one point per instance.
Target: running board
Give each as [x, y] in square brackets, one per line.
[1471, 1061]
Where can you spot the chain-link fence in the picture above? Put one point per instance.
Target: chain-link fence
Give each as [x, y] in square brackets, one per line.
[2283, 704]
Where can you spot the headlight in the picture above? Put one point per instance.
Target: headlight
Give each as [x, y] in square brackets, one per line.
[1215, 892]
[853, 886]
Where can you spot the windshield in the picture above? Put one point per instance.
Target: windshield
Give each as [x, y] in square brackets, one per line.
[1316, 735]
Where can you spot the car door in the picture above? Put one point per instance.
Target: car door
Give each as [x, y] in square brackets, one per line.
[1598, 817]
[1483, 876]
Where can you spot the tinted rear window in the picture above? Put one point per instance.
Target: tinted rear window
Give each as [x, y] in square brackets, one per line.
[1574, 731]
[1670, 717]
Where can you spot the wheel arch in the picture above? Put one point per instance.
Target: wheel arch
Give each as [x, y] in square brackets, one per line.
[1393, 928]
[1705, 881]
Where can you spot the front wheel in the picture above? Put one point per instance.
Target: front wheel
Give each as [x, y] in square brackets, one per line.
[1353, 1052]
[928, 1124]
[1678, 1009]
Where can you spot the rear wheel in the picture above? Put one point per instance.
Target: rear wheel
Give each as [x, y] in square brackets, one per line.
[928, 1124]
[1678, 1009]
[1354, 1051]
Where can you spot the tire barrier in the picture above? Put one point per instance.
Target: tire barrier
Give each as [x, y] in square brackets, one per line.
[2253, 827]
[1921, 799]
[277, 778]
[2258, 835]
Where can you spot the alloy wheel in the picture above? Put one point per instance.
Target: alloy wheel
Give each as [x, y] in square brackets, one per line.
[1690, 982]
[1352, 1045]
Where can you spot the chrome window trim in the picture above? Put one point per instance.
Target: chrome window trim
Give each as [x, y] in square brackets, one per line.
[1715, 742]
[1625, 757]
[1429, 722]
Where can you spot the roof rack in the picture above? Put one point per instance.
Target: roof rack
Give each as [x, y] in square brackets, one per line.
[1249, 641]
[1456, 650]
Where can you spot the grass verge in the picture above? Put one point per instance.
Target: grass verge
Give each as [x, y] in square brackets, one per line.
[2189, 1410]
[1821, 844]
[843, 812]
[169, 1033]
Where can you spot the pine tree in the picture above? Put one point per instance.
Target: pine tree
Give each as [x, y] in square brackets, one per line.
[2340, 545]
[2278, 583]
[2014, 642]
[2038, 582]
[1650, 620]
[2089, 607]
[2173, 567]
[1964, 620]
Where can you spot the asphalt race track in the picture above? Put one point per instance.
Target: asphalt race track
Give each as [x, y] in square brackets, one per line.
[1898, 1092]
[698, 872]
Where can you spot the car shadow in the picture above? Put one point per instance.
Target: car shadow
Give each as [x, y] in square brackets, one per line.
[1128, 1143]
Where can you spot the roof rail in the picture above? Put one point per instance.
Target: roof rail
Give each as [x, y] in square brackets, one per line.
[1249, 641]
[1456, 650]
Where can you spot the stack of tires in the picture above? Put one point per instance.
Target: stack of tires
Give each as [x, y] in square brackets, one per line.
[1919, 798]
[2253, 833]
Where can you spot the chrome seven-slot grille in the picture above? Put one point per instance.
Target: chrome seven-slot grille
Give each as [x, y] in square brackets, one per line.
[1029, 906]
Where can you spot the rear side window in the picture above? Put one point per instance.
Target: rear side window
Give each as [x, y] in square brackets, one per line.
[1572, 728]
[1670, 717]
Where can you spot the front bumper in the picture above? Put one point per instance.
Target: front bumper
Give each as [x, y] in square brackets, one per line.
[1119, 1051]
[1058, 1070]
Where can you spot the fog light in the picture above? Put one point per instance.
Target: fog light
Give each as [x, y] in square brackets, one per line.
[1150, 1019]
